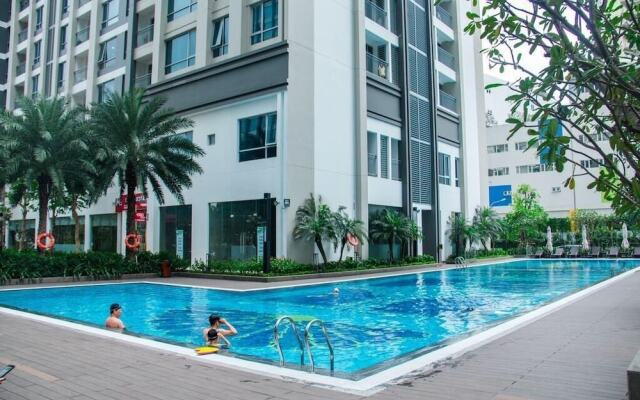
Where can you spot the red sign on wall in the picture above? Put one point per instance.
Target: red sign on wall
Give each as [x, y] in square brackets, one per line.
[141, 203]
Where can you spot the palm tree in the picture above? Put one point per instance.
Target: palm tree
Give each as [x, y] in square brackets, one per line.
[389, 226]
[5, 211]
[345, 227]
[44, 142]
[314, 222]
[143, 148]
[487, 225]
[459, 232]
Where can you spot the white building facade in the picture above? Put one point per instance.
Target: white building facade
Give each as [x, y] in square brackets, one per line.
[509, 164]
[368, 114]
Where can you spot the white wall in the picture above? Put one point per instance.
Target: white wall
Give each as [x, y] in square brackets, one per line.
[450, 199]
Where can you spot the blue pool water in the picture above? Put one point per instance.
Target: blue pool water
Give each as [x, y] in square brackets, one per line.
[373, 323]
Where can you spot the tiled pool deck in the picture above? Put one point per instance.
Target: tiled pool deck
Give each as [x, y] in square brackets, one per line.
[579, 352]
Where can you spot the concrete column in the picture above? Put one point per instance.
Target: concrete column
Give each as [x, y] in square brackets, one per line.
[159, 27]
[199, 230]
[87, 232]
[203, 41]
[92, 65]
[236, 18]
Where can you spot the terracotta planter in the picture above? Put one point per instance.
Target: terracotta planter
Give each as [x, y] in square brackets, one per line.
[165, 269]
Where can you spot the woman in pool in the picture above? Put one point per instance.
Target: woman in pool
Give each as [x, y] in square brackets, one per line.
[213, 334]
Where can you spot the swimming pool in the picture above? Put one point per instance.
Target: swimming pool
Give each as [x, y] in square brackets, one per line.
[373, 323]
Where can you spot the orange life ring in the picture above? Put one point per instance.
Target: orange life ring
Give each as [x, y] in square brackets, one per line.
[45, 241]
[136, 241]
[353, 240]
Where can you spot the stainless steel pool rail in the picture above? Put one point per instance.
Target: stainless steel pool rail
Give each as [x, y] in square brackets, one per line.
[276, 338]
[307, 335]
[461, 261]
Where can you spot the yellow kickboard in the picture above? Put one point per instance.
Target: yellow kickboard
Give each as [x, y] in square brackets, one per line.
[201, 351]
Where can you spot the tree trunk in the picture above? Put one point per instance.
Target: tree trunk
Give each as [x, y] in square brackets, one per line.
[3, 215]
[131, 181]
[44, 191]
[390, 244]
[344, 243]
[23, 228]
[321, 249]
[76, 221]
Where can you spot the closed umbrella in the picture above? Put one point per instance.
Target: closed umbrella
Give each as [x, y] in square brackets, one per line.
[625, 237]
[585, 242]
[549, 240]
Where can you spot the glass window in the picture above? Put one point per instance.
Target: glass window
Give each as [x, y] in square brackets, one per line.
[498, 148]
[372, 153]
[64, 7]
[181, 52]
[521, 146]
[457, 171]
[22, 232]
[64, 231]
[60, 80]
[175, 230]
[396, 175]
[444, 169]
[178, 8]
[104, 232]
[110, 12]
[105, 89]
[36, 52]
[257, 137]
[38, 25]
[220, 45]
[107, 55]
[264, 21]
[35, 80]
[236, 227]
[63, 38]
[499, 171]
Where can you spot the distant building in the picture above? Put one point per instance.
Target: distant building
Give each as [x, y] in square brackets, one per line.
[5, 18]
[509, 164]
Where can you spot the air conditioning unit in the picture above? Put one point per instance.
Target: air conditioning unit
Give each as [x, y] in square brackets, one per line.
[555, 189]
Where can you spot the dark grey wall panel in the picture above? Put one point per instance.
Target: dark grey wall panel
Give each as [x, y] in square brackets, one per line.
[4, 64]
[448, 129]
[4, 40]
[254, 73]
[384, 101]
[3, 99]
[5, 10]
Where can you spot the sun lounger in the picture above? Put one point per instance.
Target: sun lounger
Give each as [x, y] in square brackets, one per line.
[614, 251]
[537, 254]
[558, 253]
[574, 251]
[595, 252]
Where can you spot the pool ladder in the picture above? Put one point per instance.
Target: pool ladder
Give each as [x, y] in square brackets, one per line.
[461, 261]
[306, 344]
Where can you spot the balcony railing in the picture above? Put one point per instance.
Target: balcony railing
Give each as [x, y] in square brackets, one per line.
[372, 164]
[444, 16]
[145, 35]
[375, 13]
[24, 4]
[377, 66]
[446, 58]
[80, 75]
[20, 68]
[143, 81]
[23, 35]
[448, 101]
[82, 35]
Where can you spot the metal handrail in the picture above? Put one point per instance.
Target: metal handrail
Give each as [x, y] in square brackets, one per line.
[446, 58]
[377, 66]
[448, 101]
[276, 338]
[308, 346]
[82, 35]
[145, 35]
[444, 16]
[142, 81]
[375, 13]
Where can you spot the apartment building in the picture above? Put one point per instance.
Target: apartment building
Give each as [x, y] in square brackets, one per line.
[381, 109]
[5, 17]
[508, 164]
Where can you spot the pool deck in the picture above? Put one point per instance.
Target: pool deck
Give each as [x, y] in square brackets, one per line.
[578, 352]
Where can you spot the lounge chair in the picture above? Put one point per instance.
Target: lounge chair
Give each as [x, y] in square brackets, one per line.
[558, 253]
[574, 251]
[537, 254]
[614, 251]
[636, 252]
[595, 252]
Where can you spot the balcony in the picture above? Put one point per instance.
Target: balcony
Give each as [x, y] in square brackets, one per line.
[80, 75]
[372, 164]
[142, 81]
[23, 4]
[82, 35]
[446, 58]
[145, 35]
[21, 68]
[375, 13]
[377, 66]
[23, 35]
[448, 101]
[82, 2]
[444, 16]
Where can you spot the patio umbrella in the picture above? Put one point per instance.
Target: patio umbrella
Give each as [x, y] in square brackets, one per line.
[585, 242]
[625, 237]
[549, 239]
